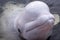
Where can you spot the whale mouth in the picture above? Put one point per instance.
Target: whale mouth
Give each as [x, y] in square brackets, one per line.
[39, 25]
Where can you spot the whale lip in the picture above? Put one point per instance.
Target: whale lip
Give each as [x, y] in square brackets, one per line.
[49, 20]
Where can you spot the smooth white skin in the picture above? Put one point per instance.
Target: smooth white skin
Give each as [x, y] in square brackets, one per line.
[39, 21]
[35, 21]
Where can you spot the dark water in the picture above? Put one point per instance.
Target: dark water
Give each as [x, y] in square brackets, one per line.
[53, 4]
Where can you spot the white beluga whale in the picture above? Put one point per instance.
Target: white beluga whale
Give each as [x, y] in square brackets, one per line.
[40, 21]
[34, 21]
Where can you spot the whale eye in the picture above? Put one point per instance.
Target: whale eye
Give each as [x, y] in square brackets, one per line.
[19, 30]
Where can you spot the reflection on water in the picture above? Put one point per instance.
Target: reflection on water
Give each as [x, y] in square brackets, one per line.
[56, 18]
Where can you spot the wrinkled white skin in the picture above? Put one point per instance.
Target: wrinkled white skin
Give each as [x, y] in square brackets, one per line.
[35, 22]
